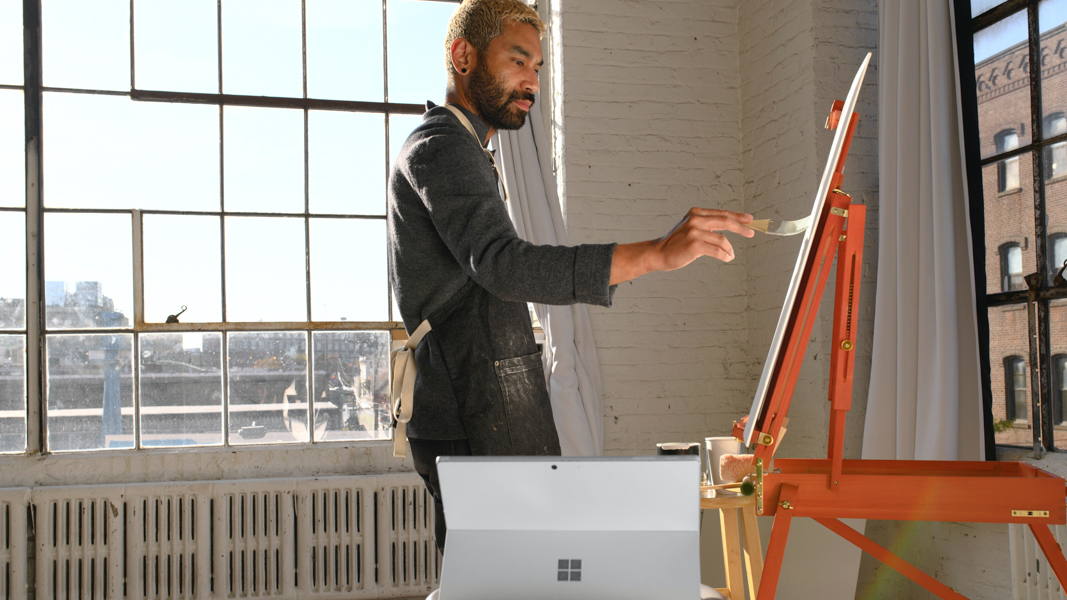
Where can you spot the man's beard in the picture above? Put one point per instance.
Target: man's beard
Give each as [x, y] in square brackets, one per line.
[494, 101]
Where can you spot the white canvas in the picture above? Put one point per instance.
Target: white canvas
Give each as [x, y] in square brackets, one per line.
[805, 250]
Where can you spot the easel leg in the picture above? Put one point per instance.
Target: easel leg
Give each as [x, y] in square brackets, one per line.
[892, 560]
[753, 548]
[783, 517]
[731, 552]
[1053, 551]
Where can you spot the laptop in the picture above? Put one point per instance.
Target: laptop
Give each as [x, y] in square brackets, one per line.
[531, 528]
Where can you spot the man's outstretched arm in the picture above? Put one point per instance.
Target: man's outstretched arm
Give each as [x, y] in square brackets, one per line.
[694, 236]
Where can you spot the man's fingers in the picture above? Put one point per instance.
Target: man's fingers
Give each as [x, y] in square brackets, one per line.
[722, 223]
[716, 212]
[715, 245]
[726, 249]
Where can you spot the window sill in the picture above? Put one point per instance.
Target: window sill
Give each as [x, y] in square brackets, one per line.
[1057, 178]
[1053, 462]
[1010, 192]
[372, 457]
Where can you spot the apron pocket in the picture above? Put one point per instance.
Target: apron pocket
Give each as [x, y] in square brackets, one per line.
[527, 405]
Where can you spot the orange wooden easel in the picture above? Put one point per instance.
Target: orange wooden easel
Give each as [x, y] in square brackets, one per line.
[832, 488]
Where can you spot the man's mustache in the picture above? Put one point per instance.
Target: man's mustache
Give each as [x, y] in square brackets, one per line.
[527, 96]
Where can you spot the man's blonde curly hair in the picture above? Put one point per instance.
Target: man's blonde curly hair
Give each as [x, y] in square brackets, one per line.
[479, 21]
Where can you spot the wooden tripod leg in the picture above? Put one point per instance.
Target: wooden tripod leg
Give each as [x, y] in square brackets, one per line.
[753, 548]
[772, 566]
[892, 560]
[731, 550]
[1053, 551]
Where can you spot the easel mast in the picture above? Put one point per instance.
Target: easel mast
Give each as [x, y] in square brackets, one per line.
[834, 488]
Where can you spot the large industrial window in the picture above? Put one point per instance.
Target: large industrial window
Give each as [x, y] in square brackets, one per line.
[202, 215]
[1013, 74]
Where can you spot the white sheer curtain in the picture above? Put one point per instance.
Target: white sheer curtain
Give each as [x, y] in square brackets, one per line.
[925, 398]
[570, 354]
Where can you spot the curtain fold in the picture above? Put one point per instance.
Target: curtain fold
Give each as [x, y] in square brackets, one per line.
[925, 400]
[571, 363]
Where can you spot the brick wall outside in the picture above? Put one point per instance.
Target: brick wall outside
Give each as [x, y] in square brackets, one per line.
[1003, 104]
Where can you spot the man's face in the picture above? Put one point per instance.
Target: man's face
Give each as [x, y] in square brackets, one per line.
[505, 78]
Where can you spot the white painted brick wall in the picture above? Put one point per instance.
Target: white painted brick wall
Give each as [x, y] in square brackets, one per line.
[651, 117]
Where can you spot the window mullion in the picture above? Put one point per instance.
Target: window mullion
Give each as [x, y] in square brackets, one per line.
[1044, 369]
[33, 95]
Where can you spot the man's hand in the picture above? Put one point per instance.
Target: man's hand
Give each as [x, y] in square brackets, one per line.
[694, 236]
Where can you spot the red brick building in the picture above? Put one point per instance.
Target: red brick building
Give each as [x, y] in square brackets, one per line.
[1003, 83]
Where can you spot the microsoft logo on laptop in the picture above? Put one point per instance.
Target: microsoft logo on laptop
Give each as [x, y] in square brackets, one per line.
[569, 570]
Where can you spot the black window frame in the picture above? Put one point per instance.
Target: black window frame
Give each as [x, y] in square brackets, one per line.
[1041, 281]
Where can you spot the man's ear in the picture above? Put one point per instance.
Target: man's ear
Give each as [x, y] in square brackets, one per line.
[464, 56]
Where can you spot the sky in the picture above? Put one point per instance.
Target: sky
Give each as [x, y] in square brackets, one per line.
[110, 152]
[1011, 31]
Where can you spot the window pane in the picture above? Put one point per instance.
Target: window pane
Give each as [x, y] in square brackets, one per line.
[1009, 359]
[1058, 381]
[980, 6]
[90, 397]
[1056, 209]
[12, 149]
[268, 387]
[88, 270]
[11, 42]
[13, 270]
[344, 41]
[417, 32]
[266, 273]
[261, 48]
[351, 383]
[1009, 221]
[181, 389]
[177, 45]
[1057, 254]
[400, 127]
[1052, 16]
[12, 393]
[1001, 70]
[112, 152]
[346, 152]
[182, 267]
[86, 44]
[349, 281]
[264, 150]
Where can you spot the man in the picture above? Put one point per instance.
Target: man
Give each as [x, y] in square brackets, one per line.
[457, 262]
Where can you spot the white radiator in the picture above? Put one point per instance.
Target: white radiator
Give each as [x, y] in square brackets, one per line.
[13, 542]
[334, 537]
[1031, 577]
[407, 555]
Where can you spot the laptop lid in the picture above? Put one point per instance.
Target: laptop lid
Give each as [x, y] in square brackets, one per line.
[551, 527]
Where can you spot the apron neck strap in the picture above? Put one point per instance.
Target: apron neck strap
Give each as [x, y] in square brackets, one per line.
[467, 123]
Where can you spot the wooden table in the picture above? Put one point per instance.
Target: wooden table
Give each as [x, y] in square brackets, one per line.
[737, 519]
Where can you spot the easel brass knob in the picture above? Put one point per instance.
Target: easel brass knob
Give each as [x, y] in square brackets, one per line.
[846, 345]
